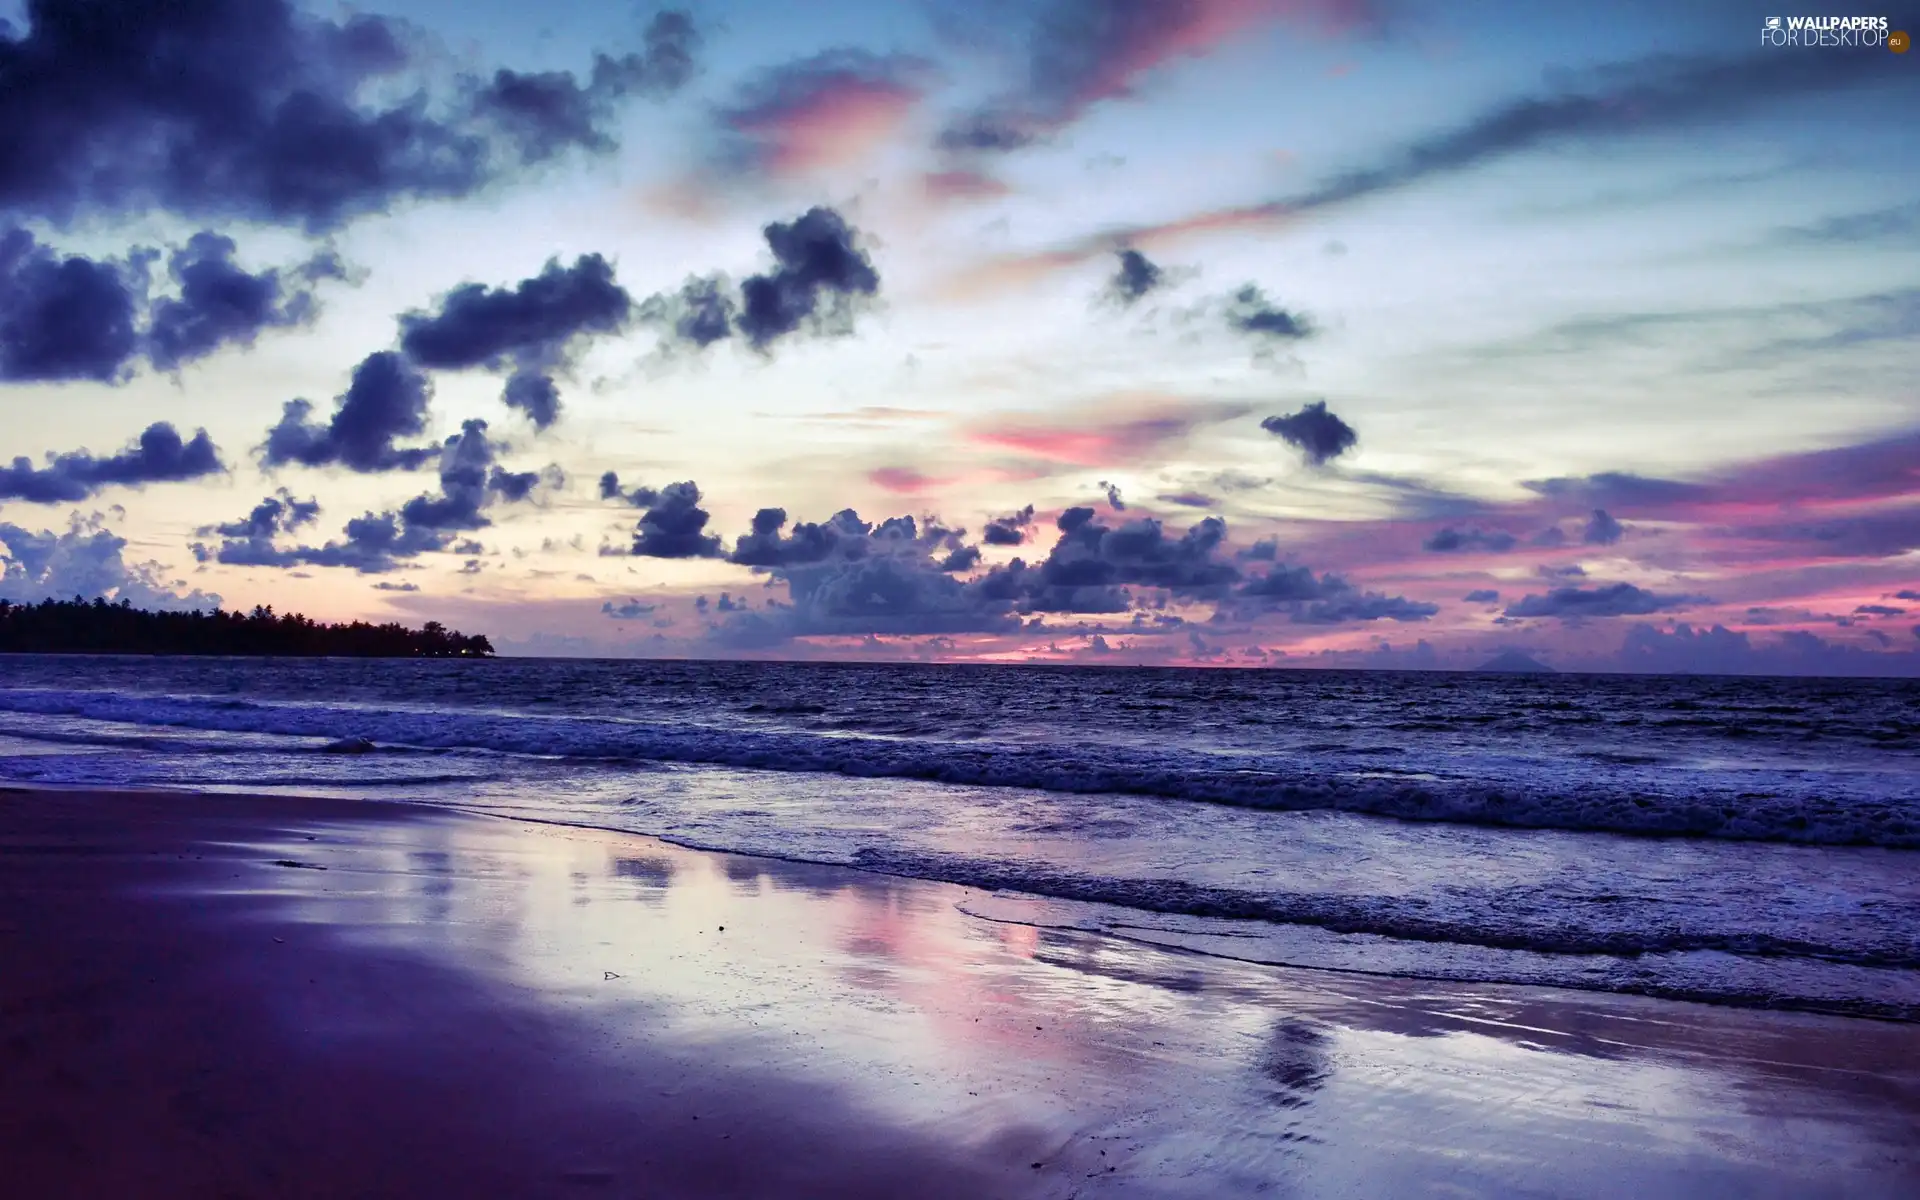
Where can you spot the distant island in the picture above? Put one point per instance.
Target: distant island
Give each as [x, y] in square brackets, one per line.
[81, 627]
[1516, 662]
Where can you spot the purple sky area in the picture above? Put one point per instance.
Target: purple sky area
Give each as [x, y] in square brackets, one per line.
[1257, 332]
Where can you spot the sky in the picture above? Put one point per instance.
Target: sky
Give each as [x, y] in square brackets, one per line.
[1238, 332]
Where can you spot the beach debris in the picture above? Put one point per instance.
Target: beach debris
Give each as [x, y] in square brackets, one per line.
[350, 745]
[609, 975]
[294, 862]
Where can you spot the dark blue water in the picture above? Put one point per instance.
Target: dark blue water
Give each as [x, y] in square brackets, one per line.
[1741, 840]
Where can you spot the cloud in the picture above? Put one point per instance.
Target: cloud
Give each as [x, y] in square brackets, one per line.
[1091, 562]
[1722, 651]
[1450, 539]
[674, 525]
[87, 560]
[220, 304]
[701, 313]
[471, 481]
[1907, 594]
[821, 274]
[823, 111]
[1608, 600]
[387, 585]
[1325, 600]
[254, 110]
[1601, 529]
[1104, 438]
[544, 113]
[65, 318]
[1616, 489]
[1252, 313]
[1083, 52]
[1482, 596]
[1188, 499]
[820, 281]
[1874, 225]
[628, 611]
[1009, 530]
[905, 481]
[1114, 499]
[387, 400]
[274, 515]
[536, 326]
[68, 317]
[962, 185]
[1134, 278]
[158, 456]
[1878, 610]
[1868, 535]
[1315, 432]
[847, 576]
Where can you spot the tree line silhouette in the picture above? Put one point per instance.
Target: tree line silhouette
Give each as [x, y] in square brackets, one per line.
[78, 626]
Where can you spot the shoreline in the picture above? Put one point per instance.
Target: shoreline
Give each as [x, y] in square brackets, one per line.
[484, 999]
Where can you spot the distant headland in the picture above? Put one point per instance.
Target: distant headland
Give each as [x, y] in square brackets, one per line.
[97, 627]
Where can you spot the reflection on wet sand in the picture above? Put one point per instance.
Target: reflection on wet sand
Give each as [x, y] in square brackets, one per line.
[1141, 1070]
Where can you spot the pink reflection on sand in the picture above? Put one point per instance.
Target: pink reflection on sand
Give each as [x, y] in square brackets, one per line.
[1184, 1074]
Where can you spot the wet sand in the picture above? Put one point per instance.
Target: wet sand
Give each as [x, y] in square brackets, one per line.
[232, 996]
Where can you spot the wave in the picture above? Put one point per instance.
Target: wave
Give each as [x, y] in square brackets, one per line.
[1563, 793]
[1511, 927]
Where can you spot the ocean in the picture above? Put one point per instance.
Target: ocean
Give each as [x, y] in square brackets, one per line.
[1738, 841]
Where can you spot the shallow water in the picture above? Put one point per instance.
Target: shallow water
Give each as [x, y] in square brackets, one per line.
[1746, 841]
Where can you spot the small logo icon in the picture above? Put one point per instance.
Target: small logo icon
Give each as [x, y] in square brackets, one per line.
[1773, 23]
[1899, 41]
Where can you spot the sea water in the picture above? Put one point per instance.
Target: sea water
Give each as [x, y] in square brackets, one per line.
[1746, 841]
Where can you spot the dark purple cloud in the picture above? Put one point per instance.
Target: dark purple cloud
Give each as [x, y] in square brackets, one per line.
[471, 482]
[1601, 529]
[1607, 600]
[65, 317]
[221, 304]
[1448, 540]
[159, 456]
[1482, 596]
[1617, 489]
[274, 515]
[820, 280]
[1324, 600]
[1135, 276]
[1010, 530]
[1722, 651]
[1315, 432]
[701, 313]
[387, 400]
[255, 110]
[674, 525]
[542, 114]
[534, 327]
[1252, 313]
[820, 274]
[1091, 563]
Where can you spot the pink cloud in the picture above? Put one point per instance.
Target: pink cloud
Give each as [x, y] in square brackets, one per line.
[1105, 438]
[961, 186]
[826, 111]
[904, 481]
